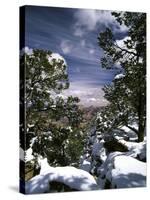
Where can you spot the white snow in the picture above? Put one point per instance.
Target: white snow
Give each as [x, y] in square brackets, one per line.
[122, 171]
[28, 152]
[26, 50]
[32, 70]
[43, 163]
[21, 154]
[121, 43]
[99, 151]
[71, 176]
[43, 75]
[32, 141]
[30, 125]
[127, 172]
[86, 165]
[119, 76]
[117, 169]
[126, 129]
[28, 155]
[57, 57]
[135, 149]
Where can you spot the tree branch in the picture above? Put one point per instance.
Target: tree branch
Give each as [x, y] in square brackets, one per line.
[125, 50]
[132, 128]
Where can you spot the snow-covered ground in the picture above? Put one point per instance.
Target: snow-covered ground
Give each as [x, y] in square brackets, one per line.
[117, 169]
[86, 165]
[98, 150]
[122, 171]
[70, 176]
[136, 150]
[99, 168]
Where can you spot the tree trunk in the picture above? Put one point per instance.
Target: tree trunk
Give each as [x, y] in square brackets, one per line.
[140, 136]
[142, 123]
[141, 133]
[141, 106]
[141, 116]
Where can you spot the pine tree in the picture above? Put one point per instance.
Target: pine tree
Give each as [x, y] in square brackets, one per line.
[127, 95]
[52, 122]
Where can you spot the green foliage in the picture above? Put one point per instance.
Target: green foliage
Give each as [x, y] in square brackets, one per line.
[127, 95]
[52, 123]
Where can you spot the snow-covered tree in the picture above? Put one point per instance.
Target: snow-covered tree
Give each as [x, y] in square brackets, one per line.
[51, 122]
[127, 93]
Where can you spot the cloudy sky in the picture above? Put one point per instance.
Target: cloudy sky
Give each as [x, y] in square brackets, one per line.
[73, 34]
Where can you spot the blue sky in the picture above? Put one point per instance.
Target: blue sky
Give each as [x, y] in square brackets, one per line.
[73, 34]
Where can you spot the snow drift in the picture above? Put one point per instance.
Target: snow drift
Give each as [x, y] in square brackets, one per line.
[122, 171]
[70, 176]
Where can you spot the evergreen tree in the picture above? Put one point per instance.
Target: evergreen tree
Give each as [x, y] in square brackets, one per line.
[51, 121]
[127, 94]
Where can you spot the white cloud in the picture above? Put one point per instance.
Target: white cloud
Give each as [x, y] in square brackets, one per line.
[92, 99]
[91, 51]
[80, 52]
[78, 70]
[87, 20]
[66, 46]
[88, 94]
[78, 31]
[83, 43]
